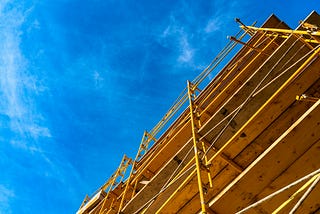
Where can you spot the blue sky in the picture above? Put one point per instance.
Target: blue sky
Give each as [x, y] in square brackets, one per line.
[80, 80]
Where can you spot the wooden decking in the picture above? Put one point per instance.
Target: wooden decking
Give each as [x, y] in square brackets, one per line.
[253, 136]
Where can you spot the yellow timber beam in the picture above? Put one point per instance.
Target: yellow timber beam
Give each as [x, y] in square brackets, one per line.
[285, 31]
[314, 179]
[124, 195]
[110, 184]
[195, 139]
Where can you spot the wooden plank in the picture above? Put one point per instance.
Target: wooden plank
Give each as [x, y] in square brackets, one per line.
[244, 90]
[92, 202]
[276, 128]
[196, 199]
[168, 150]
[176, 203]
[307, 163]
[159, 180]
[177, 206]
[284, 97]
[220, 181]
[153, 166]
[271, 163]
[243, 55]
[179, 184]
[188, 197]
[241, 76]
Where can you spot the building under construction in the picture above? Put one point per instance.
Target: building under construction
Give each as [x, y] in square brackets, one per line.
[248, 141]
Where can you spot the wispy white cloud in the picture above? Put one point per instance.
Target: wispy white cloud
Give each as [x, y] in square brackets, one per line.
[184, 32]
[6, 195]
[177, 33]
[98, 79]
[187, 52]
[223, 15]
[20, 92]
[25, 146]
[18, 86]
[213, 25]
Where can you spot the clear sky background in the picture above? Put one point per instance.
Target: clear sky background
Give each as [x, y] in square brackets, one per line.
[80, 80]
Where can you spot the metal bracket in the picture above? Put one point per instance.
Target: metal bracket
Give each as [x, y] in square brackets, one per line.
[304, 97]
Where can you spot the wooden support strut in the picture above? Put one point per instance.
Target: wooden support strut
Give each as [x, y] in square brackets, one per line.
[305, 97]
[229, 161]
[126, 189]
[150, 136]
[249, 46]
[285, 31]
[243, 26]
[85, 200]
[113, 181]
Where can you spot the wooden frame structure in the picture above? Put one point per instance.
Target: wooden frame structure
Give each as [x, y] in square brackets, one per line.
[247, 142]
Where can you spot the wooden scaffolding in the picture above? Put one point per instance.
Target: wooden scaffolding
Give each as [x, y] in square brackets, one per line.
[247, 142]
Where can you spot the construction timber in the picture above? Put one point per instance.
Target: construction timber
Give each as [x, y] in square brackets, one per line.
[246, 142]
